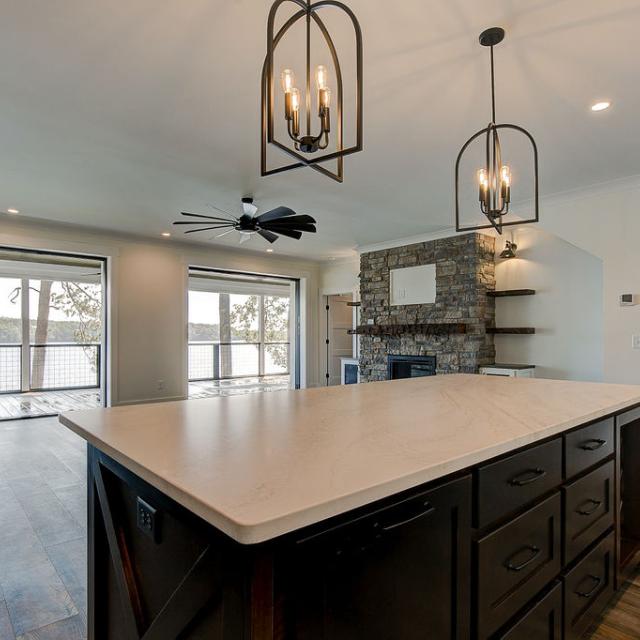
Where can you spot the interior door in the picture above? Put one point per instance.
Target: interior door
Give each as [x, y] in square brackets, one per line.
[340, 343]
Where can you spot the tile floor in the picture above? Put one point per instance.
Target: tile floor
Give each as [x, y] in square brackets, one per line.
[43, 584]
[43, 581]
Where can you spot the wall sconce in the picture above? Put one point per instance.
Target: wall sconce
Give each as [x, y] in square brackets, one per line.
[509, 250]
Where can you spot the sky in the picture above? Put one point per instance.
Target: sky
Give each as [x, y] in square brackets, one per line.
[10, 309]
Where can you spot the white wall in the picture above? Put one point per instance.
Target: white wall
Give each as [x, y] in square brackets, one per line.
[340, 276]
[566, 310]
[148, 300]
[605, 221]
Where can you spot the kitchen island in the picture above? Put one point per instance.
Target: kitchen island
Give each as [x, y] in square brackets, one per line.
[453, 506]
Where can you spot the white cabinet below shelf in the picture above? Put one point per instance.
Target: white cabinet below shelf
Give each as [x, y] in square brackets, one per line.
[509, 370]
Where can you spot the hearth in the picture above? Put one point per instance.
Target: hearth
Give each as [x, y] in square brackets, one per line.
[410, 367]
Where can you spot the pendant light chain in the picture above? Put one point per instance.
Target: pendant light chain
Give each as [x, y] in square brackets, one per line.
[493, 90]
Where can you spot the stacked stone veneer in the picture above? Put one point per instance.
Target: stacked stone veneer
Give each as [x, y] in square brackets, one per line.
[465, 271]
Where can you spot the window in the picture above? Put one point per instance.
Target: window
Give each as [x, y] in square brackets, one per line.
[241, 334]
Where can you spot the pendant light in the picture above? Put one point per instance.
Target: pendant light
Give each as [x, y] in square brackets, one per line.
[311, 105]
[494, 179]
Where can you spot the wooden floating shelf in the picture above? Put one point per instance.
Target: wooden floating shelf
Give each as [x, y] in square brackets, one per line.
[511, 292]
[511, 330]
[353, 304]
[408, 329]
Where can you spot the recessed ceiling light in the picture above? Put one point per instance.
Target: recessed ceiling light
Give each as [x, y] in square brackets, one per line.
[269, 250]
[166, 234]
[13, 211]
[600, 106]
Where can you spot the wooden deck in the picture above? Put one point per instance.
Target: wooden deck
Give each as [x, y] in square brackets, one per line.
[36, 404]
[237, 386]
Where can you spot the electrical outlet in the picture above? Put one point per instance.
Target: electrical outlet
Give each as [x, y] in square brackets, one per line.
[160, 385]
[148, 520]
[635, 342]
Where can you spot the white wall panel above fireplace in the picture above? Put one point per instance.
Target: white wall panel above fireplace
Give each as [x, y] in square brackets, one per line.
[413, 285]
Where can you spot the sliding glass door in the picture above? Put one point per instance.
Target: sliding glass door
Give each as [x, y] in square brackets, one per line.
[51, 334]
[241, 334]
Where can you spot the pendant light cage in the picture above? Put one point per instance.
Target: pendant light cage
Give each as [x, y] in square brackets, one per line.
[494, 178]
[308, 145]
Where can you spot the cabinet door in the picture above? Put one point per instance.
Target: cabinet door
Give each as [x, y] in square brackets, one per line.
[401, 573]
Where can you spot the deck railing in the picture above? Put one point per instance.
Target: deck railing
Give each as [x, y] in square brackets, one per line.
[10, 368]
[226, 360]
[52, 366]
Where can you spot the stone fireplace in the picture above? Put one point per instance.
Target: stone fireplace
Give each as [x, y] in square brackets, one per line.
[465, 271]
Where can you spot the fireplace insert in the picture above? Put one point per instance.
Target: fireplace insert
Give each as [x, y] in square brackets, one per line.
[410, 367]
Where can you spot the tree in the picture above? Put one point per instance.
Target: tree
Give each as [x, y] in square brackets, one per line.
[226, 365]
[42, 330]
[83, 302]
[244, 319]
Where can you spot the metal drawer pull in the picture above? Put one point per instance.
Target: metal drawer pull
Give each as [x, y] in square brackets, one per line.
[527, 477]
[596, 583]
[587, 512]
[427, 510]
[593, 444]
[535, 552]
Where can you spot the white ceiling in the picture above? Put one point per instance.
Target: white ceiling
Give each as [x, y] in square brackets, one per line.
[119, 114]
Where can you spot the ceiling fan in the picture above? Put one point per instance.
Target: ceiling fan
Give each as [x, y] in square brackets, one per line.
[280, 221]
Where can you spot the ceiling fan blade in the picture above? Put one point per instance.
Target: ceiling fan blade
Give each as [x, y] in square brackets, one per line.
[202, 222]
[303, 219]
[209, 228]
[274, 214]
[289, 233]
[213, 206]
[249, 208]
[225, 233]
[200, 215]
[311, 228]
[244, 237]
[267, 235]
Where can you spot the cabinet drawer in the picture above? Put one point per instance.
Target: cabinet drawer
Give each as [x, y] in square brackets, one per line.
[516, 562]
[511, 483]
[587, 589]
[587, 446]
[542, 622]
[589, 509]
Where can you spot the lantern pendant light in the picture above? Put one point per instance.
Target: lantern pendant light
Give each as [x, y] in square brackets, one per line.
[307, 109]
[494, 178]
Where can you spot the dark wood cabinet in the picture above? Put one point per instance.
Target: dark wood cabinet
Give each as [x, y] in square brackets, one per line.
[511, 483]
[588, 446]
[589, 512]
[400, 573]
[587, 589]
[516, 562]
[524, 547]
[543, 621]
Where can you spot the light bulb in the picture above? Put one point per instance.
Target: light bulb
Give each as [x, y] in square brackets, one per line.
[295, 99]
[483, 179]
[288, 80]
[321, 77]
[505, 175]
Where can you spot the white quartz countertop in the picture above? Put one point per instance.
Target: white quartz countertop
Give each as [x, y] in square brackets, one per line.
[264, 464]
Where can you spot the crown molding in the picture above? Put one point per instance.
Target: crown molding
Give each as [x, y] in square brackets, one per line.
[627, 183]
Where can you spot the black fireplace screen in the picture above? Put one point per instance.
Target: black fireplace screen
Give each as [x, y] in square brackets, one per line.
[410, 367]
